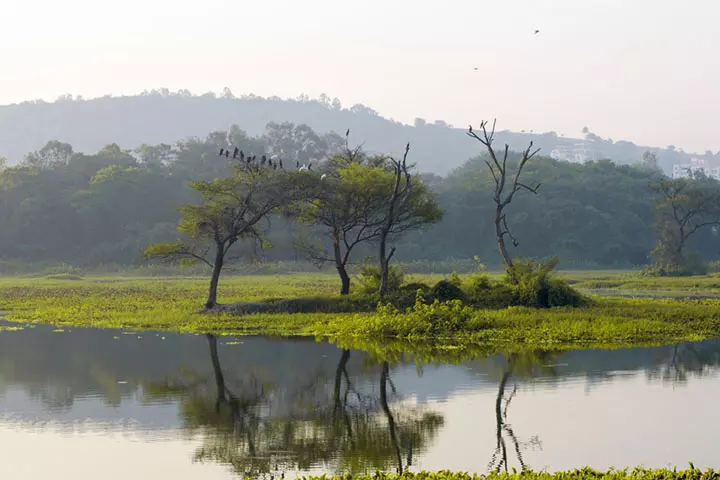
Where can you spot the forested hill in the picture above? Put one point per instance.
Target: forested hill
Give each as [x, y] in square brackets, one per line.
[164, 117]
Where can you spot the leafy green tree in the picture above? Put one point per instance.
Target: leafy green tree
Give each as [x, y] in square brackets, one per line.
[54, 152]
[649, 160]
[343, 209]
[685, 206]
[231, 209]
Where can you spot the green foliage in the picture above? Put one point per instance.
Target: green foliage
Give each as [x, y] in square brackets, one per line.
[447, 290]
[370, 278]
[535, 286]
[686, 267]
[586, 473]
[685, 206]
[172, 304]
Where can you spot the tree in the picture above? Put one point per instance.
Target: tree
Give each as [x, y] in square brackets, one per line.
[685, 207]
[344, 208]
[295, 143]
[232, 208]
[53, 153]
[502, 199]
[407, 204]
[649, 160]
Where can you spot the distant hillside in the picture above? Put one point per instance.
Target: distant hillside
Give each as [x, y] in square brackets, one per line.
[164, 117]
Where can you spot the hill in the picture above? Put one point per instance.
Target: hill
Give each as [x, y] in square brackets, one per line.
[164, 117]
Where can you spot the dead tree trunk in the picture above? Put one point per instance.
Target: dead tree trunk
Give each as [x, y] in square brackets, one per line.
[399, 197]
[384, 378]
[501, 197]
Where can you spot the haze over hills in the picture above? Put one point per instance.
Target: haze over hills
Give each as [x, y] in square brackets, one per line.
[160, 116]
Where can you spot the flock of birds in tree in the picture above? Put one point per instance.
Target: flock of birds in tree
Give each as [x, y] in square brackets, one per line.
[273, 162]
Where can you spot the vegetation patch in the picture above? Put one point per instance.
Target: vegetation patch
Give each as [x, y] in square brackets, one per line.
[172, 304]
[580, 474]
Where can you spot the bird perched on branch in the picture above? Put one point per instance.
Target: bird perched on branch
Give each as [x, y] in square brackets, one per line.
[222, 150]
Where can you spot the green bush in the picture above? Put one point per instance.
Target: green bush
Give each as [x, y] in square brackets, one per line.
[370, 278]
[687, 268]
[445, 291]
[497, 295]
[415, 286]
[535, 285]
[636, 473]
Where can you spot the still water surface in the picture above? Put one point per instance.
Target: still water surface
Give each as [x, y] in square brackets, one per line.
[86, 404]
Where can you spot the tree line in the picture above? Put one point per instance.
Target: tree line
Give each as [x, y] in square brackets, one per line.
[59, 205]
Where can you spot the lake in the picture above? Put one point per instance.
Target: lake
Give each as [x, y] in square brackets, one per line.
[86, 404]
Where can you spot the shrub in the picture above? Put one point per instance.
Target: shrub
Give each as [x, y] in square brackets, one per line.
[445, 291]
[415, 286]
[687, 268]
[370, 278]
[535, 286]
[498, 295]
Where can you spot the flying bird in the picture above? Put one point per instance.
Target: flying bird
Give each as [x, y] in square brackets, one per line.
[347, 134]
[536, 32]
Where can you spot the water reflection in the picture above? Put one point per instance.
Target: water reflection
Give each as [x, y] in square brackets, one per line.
[260, 407]
[259, 428]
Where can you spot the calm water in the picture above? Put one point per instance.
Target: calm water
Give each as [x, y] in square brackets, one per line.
[87, 404]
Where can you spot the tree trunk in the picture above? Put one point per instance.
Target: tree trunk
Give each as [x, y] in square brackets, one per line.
[340, 267]
[219, 377]
[384, 267]
[338, 382]
[217, 268]
[384, 377]
[501, 243]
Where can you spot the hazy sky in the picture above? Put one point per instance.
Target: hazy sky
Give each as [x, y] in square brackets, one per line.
[641, 70]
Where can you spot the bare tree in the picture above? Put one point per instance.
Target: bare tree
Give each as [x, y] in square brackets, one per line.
[504, 191]
[687, 205]
[402, 187]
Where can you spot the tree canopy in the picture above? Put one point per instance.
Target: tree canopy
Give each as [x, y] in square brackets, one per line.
[103, 208]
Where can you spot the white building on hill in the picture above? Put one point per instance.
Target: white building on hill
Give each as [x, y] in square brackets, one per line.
[696, 165]
[577, 153]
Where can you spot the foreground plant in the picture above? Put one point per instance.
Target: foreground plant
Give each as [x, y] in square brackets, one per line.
[579, 474]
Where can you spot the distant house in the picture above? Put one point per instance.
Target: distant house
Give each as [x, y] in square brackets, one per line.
[576, 153]
[696, 165]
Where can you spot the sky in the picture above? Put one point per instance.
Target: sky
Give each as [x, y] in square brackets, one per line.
[640, 70]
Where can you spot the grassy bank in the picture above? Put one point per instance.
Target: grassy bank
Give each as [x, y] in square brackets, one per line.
[580, 474]
[172, 304]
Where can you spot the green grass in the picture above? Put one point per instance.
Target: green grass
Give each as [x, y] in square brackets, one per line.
[580, 474]
[440, 330]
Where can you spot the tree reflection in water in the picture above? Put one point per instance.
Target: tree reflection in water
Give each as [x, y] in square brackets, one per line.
[677, 363]
[262, 430]
[527, 364]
